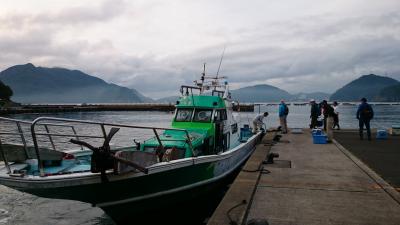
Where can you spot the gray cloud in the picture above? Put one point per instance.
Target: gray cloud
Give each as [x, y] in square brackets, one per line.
[309, 53]
[72, 16]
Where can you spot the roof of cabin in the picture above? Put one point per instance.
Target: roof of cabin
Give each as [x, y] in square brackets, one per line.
[206, 101]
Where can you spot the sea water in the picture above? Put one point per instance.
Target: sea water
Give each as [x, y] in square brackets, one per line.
[25, 209]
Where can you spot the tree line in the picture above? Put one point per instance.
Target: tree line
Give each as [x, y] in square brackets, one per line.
[5, 92]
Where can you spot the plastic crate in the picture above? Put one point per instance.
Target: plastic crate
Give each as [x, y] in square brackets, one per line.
[316, 132]
[319, 139]
[381, 134]
[245, 134]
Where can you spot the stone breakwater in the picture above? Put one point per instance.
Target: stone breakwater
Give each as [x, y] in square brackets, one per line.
[101, 107]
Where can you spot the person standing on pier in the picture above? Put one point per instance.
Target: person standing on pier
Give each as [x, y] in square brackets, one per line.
[314, 114]
[283, 113]
[365, 114]
[328, 113]
[258, 122]
[335, 115]
[324, 112]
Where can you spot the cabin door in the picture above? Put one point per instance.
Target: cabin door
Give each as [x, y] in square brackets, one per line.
[219, 136]
[221, 139]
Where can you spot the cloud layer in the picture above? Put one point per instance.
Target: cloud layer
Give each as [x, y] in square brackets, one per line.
[154, 46]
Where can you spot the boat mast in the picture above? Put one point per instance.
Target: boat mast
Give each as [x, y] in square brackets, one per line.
[220, 62]
[211, 82]
[219, 67]
[203, 78]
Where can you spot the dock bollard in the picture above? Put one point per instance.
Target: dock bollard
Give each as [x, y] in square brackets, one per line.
[270, 158]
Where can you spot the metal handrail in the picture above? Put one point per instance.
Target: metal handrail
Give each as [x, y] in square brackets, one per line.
[102, 125]
[38, 122]
[20, 133]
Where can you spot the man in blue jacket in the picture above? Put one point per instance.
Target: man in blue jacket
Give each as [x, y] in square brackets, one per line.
[364, 115]
[283, 112]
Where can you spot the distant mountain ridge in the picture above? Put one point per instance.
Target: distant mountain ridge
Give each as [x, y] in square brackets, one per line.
[169, 99]
[32, 84]
[318, 96]
[260, 93]
[368, 86]
[390, 93]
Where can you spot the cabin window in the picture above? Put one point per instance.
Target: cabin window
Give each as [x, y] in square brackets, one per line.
[184, 115]
[202, 115]
[220, 115]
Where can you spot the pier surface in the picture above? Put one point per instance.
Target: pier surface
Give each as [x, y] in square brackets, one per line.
[309, 184]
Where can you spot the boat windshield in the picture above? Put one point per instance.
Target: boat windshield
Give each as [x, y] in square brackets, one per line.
[202, 115]
[184, 115]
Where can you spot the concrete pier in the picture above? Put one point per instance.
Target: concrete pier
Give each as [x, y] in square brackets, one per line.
[309, 184]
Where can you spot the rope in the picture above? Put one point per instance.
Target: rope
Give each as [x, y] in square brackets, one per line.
[259, 169]
[231, 221]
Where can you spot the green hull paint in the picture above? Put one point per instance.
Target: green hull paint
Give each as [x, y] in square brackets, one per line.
[130, 188]
[193, 204]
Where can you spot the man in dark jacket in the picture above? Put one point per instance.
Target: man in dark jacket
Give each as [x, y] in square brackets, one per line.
[364, 115]
[315, 112]
[327, 111]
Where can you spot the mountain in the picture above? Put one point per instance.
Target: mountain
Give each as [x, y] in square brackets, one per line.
[318, 96]
[32, 84]
[170, 99]
[260, 93]
[368, 86]
[390, 94]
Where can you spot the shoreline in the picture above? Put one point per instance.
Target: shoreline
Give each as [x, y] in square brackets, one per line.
[55, 108]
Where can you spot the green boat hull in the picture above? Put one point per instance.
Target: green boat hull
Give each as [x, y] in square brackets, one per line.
[167, 186]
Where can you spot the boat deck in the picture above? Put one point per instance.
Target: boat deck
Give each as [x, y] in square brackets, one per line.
[308, 184]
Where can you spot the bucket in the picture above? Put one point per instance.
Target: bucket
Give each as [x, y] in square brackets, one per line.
[381, 134]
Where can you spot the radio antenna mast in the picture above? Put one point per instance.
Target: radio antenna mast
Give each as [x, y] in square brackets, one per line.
[220, 62]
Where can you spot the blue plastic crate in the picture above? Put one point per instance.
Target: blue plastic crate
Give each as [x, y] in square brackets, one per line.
[316, 132]
[245, 134]
[319, 139]
[381, 134]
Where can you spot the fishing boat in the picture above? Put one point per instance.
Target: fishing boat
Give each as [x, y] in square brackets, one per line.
[204, 145]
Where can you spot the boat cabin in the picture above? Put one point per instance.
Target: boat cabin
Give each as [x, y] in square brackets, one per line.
[209, 122]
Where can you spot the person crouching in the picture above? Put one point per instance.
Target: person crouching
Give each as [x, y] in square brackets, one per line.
[258, 122]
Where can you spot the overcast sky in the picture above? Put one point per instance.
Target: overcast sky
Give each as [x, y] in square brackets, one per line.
[157, 45]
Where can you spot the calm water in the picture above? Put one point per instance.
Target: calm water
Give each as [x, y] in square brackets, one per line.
[25, 209]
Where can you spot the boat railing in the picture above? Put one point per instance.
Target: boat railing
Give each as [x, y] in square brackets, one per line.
[102, 125]
[47, 122]
[218, 93]
[188, 90]
[25, 136]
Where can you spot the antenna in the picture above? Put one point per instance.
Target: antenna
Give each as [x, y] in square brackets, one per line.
[220, 62]
[203, 74]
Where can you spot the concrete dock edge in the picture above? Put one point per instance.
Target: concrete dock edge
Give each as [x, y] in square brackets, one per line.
[391, 191]
[234, 207]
